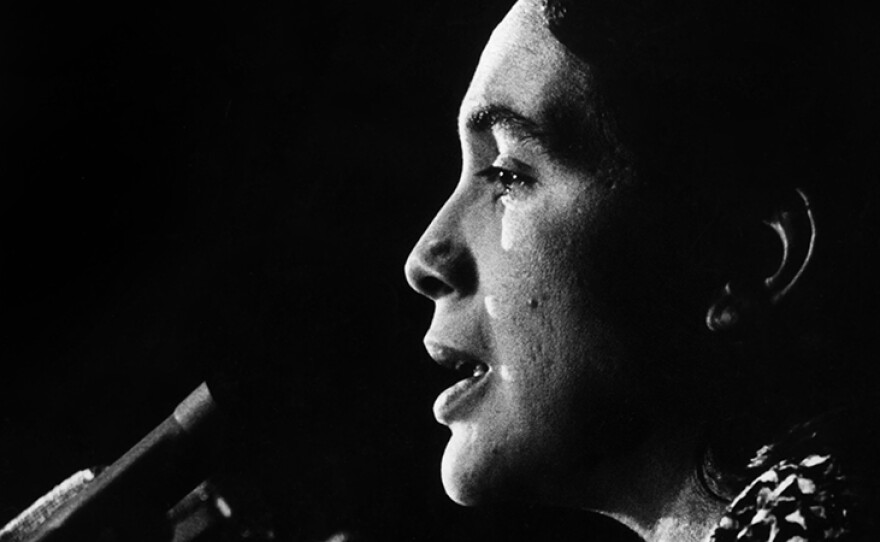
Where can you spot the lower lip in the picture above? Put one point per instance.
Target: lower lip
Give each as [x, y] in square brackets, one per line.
[457, 401]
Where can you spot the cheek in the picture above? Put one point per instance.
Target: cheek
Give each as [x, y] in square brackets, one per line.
[531, 316]
[496, 308]
[540, 308]
[515, 230]
[538, 277]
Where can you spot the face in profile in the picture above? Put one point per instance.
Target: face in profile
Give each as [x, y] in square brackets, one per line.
[518, 263]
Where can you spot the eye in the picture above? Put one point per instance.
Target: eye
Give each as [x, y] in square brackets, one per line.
[508, 181]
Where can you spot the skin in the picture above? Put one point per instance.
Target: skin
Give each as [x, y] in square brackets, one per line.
[522, 263]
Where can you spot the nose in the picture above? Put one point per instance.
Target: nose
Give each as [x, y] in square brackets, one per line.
[442, 264]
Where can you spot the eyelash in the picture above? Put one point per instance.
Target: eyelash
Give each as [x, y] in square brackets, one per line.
[508, 180]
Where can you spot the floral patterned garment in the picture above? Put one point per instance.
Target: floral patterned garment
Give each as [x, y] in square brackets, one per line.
[794, 501]
[819, 483]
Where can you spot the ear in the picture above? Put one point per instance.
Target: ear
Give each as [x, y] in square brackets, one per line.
[743, 303]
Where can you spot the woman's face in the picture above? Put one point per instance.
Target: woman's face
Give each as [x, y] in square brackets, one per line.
[520, 265]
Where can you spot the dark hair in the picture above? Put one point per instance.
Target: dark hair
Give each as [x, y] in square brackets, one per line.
[730, 106]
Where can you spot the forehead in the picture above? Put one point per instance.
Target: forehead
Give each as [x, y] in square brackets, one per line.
[523, 67]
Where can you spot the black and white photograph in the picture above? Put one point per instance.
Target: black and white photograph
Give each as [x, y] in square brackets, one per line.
[521, 270]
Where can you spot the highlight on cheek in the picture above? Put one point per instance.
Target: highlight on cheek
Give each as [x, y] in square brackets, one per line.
[498, 308]
[505, 373]
[512, 231]
[492, 306]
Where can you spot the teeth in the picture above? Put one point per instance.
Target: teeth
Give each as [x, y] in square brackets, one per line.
[474, 369]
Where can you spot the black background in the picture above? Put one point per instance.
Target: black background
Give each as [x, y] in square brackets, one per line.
[145, 146]
[151, 150]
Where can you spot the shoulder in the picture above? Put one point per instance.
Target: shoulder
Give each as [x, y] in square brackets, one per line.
[818, 483]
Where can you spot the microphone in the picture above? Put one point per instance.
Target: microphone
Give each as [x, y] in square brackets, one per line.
[161, 468]
[284, 346]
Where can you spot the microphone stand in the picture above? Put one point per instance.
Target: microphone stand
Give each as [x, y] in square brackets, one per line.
[124, 500]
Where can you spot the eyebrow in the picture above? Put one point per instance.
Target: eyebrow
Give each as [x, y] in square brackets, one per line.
[564, 134]
[496, 116]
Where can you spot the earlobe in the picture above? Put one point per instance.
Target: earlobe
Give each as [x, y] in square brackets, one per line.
[745, 301]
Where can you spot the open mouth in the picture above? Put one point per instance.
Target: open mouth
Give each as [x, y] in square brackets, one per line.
[458, 399]
[470, 369]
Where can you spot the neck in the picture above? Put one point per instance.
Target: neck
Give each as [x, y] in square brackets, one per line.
[662, 499]
[690, 516]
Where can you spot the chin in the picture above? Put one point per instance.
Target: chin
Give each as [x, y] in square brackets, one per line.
[467, 479]
[460, 482]
[465, 487]
[474, 476]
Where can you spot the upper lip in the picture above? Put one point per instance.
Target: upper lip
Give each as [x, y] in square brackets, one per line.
[450, 357]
